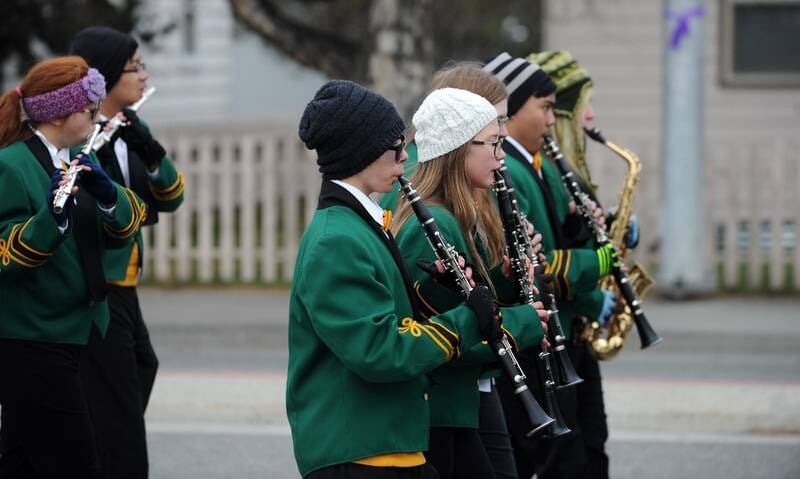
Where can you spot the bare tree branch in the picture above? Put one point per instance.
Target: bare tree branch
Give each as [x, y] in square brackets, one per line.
[329, 53]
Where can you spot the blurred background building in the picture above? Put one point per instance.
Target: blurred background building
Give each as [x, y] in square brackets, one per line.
[228, 103]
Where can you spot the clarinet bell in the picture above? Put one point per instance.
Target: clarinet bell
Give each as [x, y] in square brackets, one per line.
[647, 335]
[565, 371]
[537, 418]
[558, 427]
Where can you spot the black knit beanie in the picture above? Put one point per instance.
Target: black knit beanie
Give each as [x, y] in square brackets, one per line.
[106, 49]
[349, 126]
[522, 78]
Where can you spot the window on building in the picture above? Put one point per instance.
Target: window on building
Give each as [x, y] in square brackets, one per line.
[760, 43]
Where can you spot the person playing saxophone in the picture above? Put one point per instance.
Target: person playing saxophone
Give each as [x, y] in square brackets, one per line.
[574, 263]
[573, 114]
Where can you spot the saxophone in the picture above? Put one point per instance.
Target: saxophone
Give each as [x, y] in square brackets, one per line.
[606, 342]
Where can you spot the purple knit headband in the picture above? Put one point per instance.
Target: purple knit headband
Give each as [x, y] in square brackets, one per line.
[67, 99]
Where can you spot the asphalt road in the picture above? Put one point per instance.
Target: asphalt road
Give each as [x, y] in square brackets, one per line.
[719, 398]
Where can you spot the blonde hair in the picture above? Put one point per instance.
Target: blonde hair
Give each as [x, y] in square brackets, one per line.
[468, 76]
[471, 77]
[444, 182]
[570, 136]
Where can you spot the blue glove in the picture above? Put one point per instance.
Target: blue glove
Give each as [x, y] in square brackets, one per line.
[63, 217]
[609, 305]
[632, 237]
[96, 182]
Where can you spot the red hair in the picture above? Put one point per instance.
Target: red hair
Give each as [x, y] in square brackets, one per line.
[44, 77]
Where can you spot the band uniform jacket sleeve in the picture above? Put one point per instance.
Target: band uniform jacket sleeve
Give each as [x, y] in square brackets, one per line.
[587, 299]
[122, 227]
[454, 394]
[575, 270]
[350, 293]
[167, 189]
[164, 193]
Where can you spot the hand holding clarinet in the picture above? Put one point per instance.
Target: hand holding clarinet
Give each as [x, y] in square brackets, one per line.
[482, 302]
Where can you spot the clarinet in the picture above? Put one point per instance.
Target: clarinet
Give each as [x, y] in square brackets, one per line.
[503, 352]
[647, 334]
[64, 192]
[516, 221]
[517, 256]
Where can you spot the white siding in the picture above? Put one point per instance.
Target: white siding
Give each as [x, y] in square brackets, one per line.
[751, 145]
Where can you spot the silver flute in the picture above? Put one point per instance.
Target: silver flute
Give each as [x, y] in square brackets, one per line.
[65, 191]
[114, 124]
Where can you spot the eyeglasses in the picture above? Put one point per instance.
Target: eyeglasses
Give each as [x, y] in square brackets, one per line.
[502, 120]
[138, 68]
[398, 149]
[92, 110]
[497, 146]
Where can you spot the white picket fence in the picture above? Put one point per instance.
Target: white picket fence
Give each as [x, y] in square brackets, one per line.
[251, 188]
[755, 210]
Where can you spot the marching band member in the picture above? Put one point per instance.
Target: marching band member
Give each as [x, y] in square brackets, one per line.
[585, 413]
[493, 430]
[575, 266]
[52, 285]
[458, 145]
[120, 370]
[356, 392]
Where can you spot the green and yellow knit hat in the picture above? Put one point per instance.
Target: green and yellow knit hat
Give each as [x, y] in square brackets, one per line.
[570, 77]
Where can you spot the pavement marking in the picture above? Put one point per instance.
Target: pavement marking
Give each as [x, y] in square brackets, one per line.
[273, 374]
[705, 438]
[204, 428]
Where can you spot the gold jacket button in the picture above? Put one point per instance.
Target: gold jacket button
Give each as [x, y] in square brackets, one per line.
[425, 396]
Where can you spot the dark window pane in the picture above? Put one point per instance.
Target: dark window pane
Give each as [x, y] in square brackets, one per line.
[767, 38]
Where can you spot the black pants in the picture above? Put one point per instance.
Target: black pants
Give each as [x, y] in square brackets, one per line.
[495, 437]
[528, 452]
[359, 471]
[458, 453]
[119, 372]
[580, 455]
[46, 432]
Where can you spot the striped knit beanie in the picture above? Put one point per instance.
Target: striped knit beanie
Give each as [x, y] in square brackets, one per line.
[523, 79]
[570, 77]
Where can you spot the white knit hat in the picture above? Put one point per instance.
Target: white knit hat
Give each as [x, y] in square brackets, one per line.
[447, 119]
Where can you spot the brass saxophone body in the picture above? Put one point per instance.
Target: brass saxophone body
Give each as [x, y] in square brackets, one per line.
[605, 342]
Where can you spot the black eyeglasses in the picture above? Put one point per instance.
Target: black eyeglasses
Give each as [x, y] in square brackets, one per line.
[138, 68]
[398, 149]
[497, 146]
